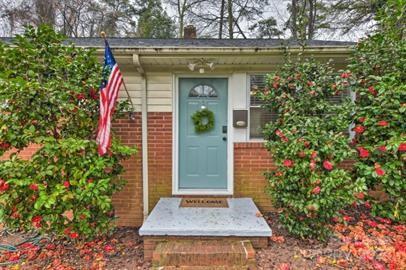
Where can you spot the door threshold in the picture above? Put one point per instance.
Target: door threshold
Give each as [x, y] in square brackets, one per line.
[224, 192]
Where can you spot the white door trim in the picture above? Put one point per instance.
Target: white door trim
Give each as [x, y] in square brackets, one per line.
[175, 140]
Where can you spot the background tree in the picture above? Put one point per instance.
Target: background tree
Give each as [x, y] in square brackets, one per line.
[348, 15]
[223, 19]
[182, 9]
[307, 18]
[267, 28]
[74, 18]
[154, 22]
[49, 96]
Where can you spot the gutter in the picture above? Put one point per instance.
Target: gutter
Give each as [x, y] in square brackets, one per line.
[227, 50]
[144, 136]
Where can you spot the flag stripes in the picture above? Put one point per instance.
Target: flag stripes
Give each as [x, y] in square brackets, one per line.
[108, 98]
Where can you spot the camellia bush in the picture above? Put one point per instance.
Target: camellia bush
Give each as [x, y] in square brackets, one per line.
[308, 142]
[49, 97]
[379, 63]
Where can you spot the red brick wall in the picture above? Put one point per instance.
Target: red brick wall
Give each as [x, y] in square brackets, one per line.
[159, 156]
[128, 202]
[26, 153]
[251, 160]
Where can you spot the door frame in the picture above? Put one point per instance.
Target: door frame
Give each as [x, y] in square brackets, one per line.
[175, 140]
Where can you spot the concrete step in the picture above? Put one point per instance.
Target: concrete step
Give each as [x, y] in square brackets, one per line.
[204, 255]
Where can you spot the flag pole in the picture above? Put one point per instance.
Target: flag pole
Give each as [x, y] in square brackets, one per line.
[103, 35]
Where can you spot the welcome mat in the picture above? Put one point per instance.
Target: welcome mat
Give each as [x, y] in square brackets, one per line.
[204, 202]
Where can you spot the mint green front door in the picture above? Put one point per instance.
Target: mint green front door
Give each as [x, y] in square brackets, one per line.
[202, 156]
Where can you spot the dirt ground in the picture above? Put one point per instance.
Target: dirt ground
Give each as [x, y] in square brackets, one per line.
[359, 242]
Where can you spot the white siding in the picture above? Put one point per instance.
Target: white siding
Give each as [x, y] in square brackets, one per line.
[159, 90]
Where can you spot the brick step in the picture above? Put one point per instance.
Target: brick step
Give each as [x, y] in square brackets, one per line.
[204, 267]
[204, 255]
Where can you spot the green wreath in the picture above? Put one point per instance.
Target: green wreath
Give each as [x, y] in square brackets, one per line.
[198, 120]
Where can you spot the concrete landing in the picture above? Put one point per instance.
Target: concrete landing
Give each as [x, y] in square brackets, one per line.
[239, 219]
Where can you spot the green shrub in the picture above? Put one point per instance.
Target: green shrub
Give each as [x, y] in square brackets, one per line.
[307, 143]
[379, 63]
[49, 97]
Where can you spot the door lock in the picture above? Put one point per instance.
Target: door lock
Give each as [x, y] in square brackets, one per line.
[224, 138]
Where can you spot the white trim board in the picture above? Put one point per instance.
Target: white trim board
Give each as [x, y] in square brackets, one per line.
[175, 139]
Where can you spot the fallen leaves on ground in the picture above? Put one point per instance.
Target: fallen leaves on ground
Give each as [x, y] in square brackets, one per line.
[360, 241]
[123, 250]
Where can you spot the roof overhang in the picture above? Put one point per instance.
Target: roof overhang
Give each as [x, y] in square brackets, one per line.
[255, 59]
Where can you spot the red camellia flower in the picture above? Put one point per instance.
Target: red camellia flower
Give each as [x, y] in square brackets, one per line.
[360, 195]
[383, 123]
[345, 75]
[66, 184]
[361, 119]
[402, 147]
[73, 235]
[36, 221]
[80, 96]
[382, 148]
[313, 155]
[90, 180]
[4, 145]
[347, 218]
[301, 154]
[93, 94]
[312, 165]
[379, 171]
[359, 129]
[281, 135]
[327, 165]
[306, 143]
[363, 153]
[372, 90]
[278, 174]
[367, 205]
[275, 85]
[3, 185]
[316, 190]
[310, 83]
[33, 187]
[288, 163]
[66, 231]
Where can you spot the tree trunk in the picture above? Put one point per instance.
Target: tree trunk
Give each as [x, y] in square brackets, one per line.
[230, 19]
[293, 24]
[45, 11]
[312, 18]
[221, 19]
[181, 12]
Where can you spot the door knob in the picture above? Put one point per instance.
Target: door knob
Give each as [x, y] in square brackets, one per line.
[224, 138]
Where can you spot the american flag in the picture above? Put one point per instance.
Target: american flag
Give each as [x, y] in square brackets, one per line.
[112, 80]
